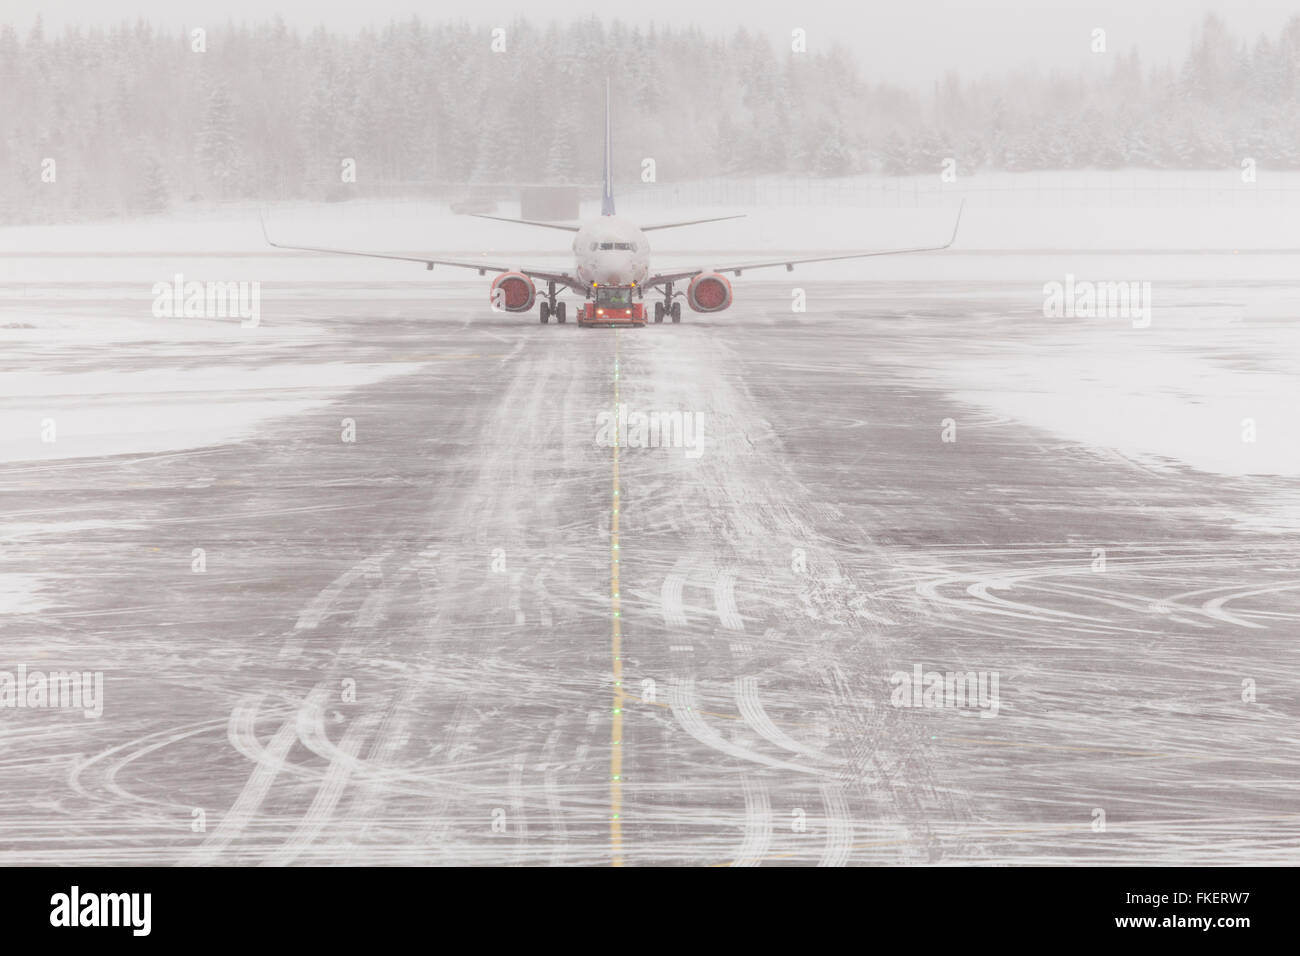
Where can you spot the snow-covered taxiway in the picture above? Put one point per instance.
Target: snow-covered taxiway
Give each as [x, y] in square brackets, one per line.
[479, 633]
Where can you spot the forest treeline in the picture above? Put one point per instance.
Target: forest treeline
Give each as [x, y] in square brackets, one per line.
[131, 119]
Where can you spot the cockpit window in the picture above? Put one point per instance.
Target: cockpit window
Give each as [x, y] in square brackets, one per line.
[617, 245]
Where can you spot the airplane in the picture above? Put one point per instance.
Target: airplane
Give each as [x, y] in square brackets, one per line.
[612, 267]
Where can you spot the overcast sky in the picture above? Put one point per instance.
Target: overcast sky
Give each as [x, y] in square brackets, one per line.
[911, 42]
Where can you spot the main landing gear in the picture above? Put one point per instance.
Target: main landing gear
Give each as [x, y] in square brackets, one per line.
[668, 306]
[550, 307]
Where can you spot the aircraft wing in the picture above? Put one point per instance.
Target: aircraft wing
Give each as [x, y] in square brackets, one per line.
[560, 278]
[789, 264]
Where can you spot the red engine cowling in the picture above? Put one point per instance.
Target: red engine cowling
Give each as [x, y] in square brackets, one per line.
[708, 292]
[513, 292]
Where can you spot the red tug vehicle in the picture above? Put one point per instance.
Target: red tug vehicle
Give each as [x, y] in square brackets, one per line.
[612, 306]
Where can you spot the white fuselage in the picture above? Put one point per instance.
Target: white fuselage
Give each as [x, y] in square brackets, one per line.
[611, 251]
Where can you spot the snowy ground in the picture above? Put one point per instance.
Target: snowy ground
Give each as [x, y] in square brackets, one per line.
[402, 649]
[1177, 392]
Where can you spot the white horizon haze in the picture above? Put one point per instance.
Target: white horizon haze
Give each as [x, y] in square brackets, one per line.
[911, 45]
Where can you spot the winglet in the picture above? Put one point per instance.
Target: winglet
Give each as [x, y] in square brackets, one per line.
[956, 225]
[261, 217]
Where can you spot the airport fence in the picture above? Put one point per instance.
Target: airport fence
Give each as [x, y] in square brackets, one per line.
[1062, 188]
[1056, 189]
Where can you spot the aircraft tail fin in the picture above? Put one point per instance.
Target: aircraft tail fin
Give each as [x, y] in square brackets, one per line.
[607, 196]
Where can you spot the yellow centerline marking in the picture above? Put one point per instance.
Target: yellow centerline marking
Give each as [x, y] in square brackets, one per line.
[616, 651]
[616, 723]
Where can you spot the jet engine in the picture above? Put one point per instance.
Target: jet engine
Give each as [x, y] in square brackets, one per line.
[513, 292]
[709, 292]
